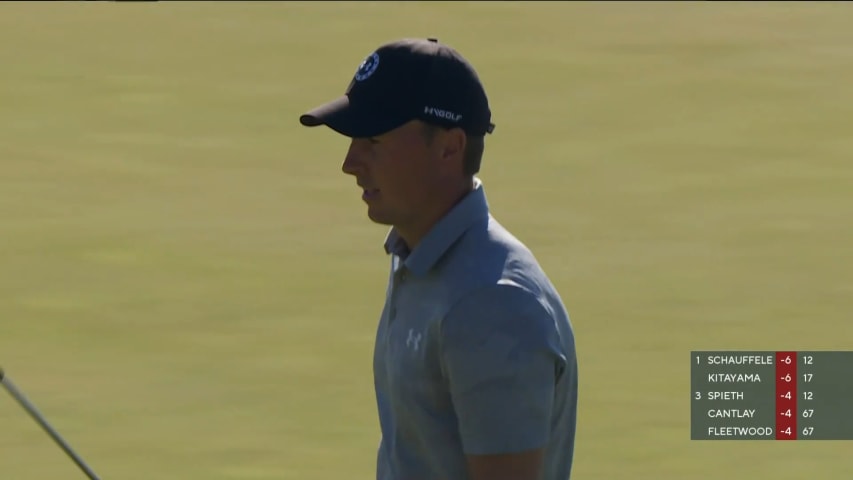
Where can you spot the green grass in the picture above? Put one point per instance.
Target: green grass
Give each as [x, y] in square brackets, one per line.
[190, 286]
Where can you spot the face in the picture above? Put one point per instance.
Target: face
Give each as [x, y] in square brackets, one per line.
[401, 174]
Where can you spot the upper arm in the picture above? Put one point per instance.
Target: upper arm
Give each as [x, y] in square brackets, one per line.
[501, 355]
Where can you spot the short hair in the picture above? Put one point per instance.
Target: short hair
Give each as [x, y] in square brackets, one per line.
[475, 145]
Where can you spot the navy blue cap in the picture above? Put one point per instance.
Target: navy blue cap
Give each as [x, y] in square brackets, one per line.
[408, 79]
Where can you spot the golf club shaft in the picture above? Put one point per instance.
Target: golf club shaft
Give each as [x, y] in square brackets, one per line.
[39, 418]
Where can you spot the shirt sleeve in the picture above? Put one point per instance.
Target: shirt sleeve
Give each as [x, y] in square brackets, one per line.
[501, 355]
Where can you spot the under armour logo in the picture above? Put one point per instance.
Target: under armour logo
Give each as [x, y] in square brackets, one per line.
[414, 340]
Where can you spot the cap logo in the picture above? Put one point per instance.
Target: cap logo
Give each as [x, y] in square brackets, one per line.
[445, 114]
[367, 67]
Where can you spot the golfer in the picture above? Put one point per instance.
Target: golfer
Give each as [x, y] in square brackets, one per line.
[474, 364]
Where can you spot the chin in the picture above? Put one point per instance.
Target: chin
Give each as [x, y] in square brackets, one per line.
[379, 217]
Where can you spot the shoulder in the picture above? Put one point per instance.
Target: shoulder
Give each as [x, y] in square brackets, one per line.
[489, 261]
[491, 237]
[504, 298]
[502, 316]
[488, 253]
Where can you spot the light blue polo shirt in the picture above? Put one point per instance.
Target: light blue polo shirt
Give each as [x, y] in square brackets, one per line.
[474, 352]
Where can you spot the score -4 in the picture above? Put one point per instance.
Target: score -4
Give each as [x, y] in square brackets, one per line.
[807, 431]
[786, 396]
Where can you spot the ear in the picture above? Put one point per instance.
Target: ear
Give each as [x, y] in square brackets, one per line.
[452, 149]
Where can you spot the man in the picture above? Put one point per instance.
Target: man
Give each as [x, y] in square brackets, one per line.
[474, 363]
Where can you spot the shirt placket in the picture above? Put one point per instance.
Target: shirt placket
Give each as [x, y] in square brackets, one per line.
[398, 278]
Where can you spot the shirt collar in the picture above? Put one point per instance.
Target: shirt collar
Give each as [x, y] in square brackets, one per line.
[443, 234]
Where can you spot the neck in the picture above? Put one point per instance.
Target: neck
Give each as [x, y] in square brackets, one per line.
[413, 234]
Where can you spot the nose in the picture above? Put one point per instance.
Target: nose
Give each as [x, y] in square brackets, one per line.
[352, 161]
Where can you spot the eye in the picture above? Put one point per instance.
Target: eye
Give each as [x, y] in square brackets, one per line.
[373, 140]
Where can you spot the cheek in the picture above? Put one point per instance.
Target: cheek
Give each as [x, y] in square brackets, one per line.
[421, 180]
[406, 184]
[407, 180]
[392, 171]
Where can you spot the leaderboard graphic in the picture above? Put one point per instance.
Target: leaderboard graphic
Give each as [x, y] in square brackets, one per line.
[761, 395]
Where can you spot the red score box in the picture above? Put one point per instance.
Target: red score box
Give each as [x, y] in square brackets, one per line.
[786, 395]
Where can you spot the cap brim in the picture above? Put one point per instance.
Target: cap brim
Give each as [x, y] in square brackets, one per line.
[342, 117]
